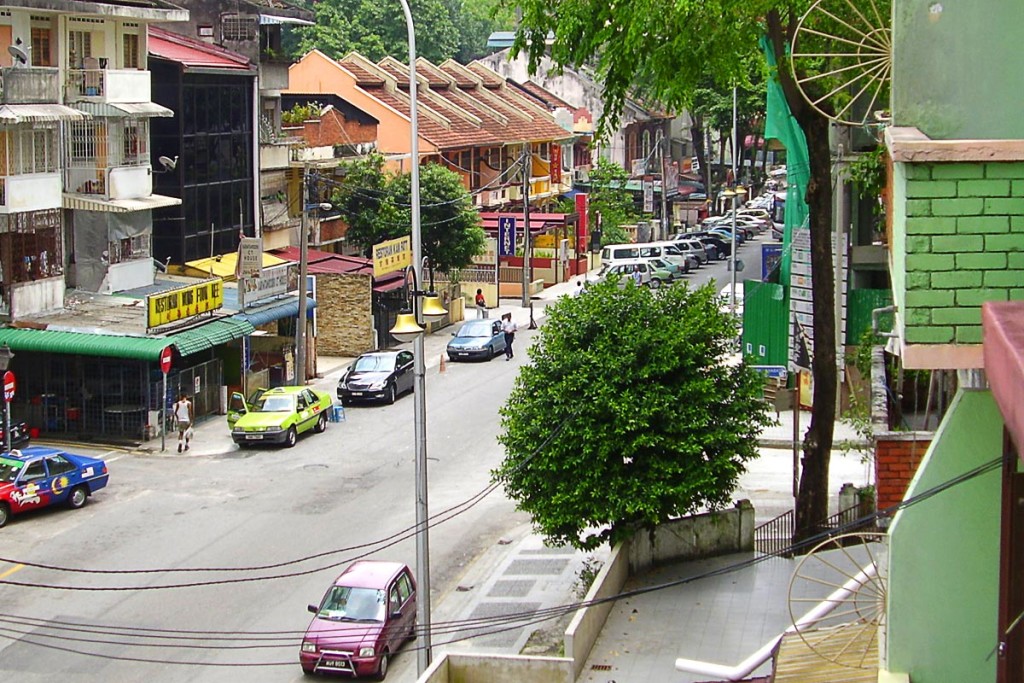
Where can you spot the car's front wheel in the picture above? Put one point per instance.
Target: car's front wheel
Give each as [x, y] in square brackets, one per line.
[77, 497]
[291, 437]
[392, 394]
[321, 424]
[654, 284]
[382, 668]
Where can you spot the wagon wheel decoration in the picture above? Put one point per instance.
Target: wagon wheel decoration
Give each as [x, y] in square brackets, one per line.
[841, 577]
[841, 57]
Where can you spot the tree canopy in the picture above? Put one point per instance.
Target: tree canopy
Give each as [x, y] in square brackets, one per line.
[628, 413]
[610, 199]
[377, 206]
[666, 52]
[444, 29]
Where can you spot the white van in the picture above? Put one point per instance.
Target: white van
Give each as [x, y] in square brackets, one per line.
[617, 253]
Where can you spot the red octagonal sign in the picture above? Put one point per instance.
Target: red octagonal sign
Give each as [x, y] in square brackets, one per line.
[165, 360]
[9, 386]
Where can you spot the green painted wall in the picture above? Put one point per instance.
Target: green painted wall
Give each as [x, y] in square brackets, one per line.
[956, 68]
[959, 241]
[944, 554]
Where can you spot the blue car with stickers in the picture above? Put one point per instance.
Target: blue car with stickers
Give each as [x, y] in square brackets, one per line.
[39, 477]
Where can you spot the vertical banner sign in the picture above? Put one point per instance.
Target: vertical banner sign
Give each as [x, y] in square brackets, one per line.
[582, 227]
[556, 163]
[165, 367]
[506, 236]
[250, 257]
[648, 183]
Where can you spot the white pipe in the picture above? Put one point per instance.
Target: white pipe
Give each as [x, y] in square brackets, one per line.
[760, 656]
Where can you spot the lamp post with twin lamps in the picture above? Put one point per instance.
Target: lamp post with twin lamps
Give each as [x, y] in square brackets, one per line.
[740, 191]
[407, 327]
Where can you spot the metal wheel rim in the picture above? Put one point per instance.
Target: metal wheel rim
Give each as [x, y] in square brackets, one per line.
[78, 498]
[863, 57]
[865, 605]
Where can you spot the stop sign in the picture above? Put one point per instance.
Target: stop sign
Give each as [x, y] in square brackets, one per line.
[165, 360]
[9, 386]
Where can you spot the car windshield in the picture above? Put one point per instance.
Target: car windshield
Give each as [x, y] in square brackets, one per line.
[474, 329]
[375, 363]
[9, 469]
[275, 404]
[344, 603]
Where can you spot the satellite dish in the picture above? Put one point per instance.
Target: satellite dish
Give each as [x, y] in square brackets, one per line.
[18, 53]
[168, 163]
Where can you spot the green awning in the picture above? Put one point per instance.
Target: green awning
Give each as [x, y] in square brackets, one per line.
[188, 342]
[209, 335]
[83, 343]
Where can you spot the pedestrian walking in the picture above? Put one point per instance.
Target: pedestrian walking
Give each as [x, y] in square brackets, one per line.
[183, 416]
[510, 329]
[638, 276]
[481, 304]
[579, 287]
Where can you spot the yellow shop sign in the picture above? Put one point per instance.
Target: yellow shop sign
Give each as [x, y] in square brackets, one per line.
[184, 302]
[392, 255]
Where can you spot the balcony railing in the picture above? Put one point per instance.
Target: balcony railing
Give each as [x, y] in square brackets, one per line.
[108, 85]
[29, 85]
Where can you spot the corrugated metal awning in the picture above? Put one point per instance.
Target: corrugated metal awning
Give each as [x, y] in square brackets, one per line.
[39, 113]
[262, 315]
[84, 343]
[87, 203]
[211, 334]
[123, 109]
[270, 19]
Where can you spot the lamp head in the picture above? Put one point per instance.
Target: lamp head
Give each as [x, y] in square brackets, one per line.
[406, 328]
[728, 194]
[740, 190]
[432, 308]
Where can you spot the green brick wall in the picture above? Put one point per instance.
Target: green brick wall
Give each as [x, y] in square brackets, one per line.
[960, 243]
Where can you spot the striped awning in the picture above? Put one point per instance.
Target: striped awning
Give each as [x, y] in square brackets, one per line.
[123, 109]
[39, 113]
[83, 343]
[211, 334]
[91, 203]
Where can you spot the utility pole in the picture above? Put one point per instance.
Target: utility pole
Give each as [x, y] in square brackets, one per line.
[662, 143]
[300, 324]
[526, 224]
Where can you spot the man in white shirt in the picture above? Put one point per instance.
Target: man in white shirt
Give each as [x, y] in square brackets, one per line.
[183, 417]
[510, 329]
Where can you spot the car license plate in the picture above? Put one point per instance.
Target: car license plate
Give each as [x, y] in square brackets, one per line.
[336, 663]
[254, 437]
[463, 353]
[357, 393]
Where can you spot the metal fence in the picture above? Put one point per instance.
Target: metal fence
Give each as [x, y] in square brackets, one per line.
[775, 537]
[202, 384]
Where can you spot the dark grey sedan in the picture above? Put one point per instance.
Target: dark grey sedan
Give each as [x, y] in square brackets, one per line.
[377, 376]
[477, 339]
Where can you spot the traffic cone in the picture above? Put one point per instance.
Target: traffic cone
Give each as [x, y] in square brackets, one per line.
[443, 365]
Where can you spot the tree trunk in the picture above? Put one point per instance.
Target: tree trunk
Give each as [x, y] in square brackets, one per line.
[812, 494]
[812, 497]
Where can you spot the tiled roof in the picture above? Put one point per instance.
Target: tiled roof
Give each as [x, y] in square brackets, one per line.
[548, 98]
[454, 111]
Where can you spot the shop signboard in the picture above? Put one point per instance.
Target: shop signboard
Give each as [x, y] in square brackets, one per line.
[392, 255]
[183, 304]
[250, 257]
[273, 282]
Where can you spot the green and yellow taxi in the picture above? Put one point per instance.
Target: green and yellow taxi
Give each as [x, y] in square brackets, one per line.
[277, 415]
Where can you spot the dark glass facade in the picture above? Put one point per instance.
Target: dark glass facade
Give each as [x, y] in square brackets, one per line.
[212, 136]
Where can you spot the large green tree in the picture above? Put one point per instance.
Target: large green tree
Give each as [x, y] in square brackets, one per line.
[610, 200]
[378, 29]
[377, 206]
[668, 50]
[628, 413]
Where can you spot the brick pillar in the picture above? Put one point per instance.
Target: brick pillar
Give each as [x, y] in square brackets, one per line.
[897, 455]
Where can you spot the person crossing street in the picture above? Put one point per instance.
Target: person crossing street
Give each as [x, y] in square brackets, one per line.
[509, 328]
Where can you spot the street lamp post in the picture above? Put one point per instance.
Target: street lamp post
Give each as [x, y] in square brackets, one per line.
[740, 191]
[301, 344]
[423, 655]
[5, 360]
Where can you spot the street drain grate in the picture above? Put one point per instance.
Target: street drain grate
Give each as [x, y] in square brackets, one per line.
[600, 667]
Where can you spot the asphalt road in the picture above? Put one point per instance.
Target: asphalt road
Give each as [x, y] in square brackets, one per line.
[308, 511]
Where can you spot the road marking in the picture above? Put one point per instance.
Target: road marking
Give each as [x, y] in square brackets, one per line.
[10, 571]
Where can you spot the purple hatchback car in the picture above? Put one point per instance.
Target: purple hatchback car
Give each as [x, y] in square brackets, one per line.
[365, 616]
